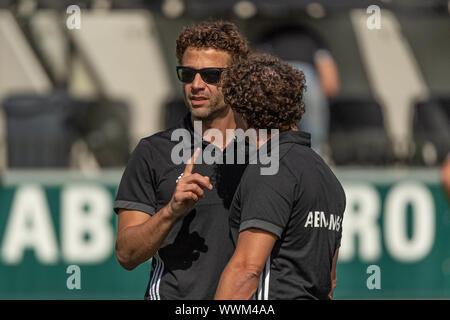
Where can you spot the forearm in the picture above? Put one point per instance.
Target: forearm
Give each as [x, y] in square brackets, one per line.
[237, 283]
[137, 244]
[240, 277]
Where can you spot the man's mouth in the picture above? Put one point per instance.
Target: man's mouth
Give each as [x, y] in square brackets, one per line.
[198, 100]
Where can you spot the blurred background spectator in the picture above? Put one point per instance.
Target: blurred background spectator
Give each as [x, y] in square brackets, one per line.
[302, 48]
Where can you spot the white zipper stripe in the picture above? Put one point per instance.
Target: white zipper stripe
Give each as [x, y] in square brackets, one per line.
[159, 278]
[267, 279]
[153, 278]
[259, 297]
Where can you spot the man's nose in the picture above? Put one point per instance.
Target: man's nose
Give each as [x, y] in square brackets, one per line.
[198, 82]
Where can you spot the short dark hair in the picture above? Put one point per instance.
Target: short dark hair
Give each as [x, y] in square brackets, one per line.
[219, 35]
[267, 92]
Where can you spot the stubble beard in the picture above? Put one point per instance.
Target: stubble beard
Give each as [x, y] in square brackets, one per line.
[214, 110]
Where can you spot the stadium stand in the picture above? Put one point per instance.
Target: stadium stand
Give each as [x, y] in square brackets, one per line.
[104, 126]
[42, 129]
[39, 130]
[125, 55]
[357, 133]
[431, 131]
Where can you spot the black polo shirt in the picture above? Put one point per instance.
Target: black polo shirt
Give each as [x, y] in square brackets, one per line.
[192, 257]
[303, 205]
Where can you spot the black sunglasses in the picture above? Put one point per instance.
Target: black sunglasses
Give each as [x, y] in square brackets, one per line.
[209, 75]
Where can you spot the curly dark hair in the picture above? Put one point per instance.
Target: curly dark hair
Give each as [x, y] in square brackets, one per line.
[220, 35]
[265, 91]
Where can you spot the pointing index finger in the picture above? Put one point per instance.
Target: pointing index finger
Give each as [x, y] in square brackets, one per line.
[190, 164]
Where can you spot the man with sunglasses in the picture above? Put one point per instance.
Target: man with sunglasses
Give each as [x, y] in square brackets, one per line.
[177, 214]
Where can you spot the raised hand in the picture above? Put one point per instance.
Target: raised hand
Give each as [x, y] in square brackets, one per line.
[189, 188]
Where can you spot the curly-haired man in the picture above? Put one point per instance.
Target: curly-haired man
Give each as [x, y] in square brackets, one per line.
[166, 210]
[286, 226]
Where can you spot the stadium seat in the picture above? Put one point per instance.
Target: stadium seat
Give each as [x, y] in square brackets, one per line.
[431, 128]
[104, 125]
[444, 102]
[39, 130]
[357, 133]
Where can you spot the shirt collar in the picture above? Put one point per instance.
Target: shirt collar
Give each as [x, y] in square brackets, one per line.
[299, 137]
